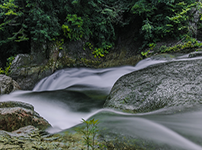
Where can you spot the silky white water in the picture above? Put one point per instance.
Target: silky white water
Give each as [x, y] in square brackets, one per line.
[69, 95]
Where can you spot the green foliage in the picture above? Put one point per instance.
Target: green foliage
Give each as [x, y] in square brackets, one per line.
[42, 21]
[10, 7]
[73, 28]
[11, 14]
[59, 43]
[199, 25]
[6, 71]
[151, 47]
[97, 21]
[164, 18]
[98, 52]
[23, 22]
[181, 47]
[147, 29]
[181, 19]
[90, 132]
[145, 53]
[185, 45]
[1, 71]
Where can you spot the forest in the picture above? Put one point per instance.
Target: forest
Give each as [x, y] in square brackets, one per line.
[24, 22]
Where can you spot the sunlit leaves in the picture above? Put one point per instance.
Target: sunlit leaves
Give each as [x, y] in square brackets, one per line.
[73, 28]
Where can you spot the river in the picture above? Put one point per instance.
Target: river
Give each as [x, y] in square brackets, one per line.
[69, 95]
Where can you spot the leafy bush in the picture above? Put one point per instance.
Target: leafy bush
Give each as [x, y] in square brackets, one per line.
[96, 21]
[90, 132]
[164, 18]
[73, 27]
[6, 71]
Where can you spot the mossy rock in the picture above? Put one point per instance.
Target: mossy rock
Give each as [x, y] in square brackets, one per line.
[14, 115]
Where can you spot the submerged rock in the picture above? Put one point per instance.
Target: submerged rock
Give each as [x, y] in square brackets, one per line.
[14, 115]
[168, 84]
[7, 85]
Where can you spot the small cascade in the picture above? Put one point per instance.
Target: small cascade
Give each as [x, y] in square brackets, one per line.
[69, 95]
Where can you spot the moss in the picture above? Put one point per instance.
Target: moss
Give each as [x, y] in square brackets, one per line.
[89, 62]
[182, 47]
[35, 141]
[119, 59]
[11, 104]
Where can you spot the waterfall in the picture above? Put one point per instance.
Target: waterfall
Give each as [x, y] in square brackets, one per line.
[69, 95]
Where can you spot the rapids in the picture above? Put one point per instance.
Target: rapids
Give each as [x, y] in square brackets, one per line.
[69, 95]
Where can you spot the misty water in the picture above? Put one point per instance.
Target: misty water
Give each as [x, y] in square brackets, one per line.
[69, 95]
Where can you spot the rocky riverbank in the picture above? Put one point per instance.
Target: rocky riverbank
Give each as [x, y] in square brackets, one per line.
[21, 128]
[170, 84]
[29, 137]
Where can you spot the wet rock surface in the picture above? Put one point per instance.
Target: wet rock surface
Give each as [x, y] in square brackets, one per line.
[14, 115]
[21, 128]
[195, 54]
[7, 85]
[171, 84]
[29, 137]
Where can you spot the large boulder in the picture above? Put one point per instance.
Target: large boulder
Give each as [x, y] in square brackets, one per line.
[7, 85]
[171, 85]
[27, 71]
[21, 60]
[14, 115]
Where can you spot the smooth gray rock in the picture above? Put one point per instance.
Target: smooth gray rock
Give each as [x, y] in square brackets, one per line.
[7, 85]
[21, 60]
[163, 85]
[27, 71]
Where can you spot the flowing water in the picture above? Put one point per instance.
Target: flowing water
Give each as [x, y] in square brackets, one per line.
[69, 95]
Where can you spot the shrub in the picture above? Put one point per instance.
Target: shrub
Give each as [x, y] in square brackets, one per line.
[90, 132]
[6, 71]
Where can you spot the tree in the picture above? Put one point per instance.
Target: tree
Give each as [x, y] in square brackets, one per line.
[163, 18]
[97, 22]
